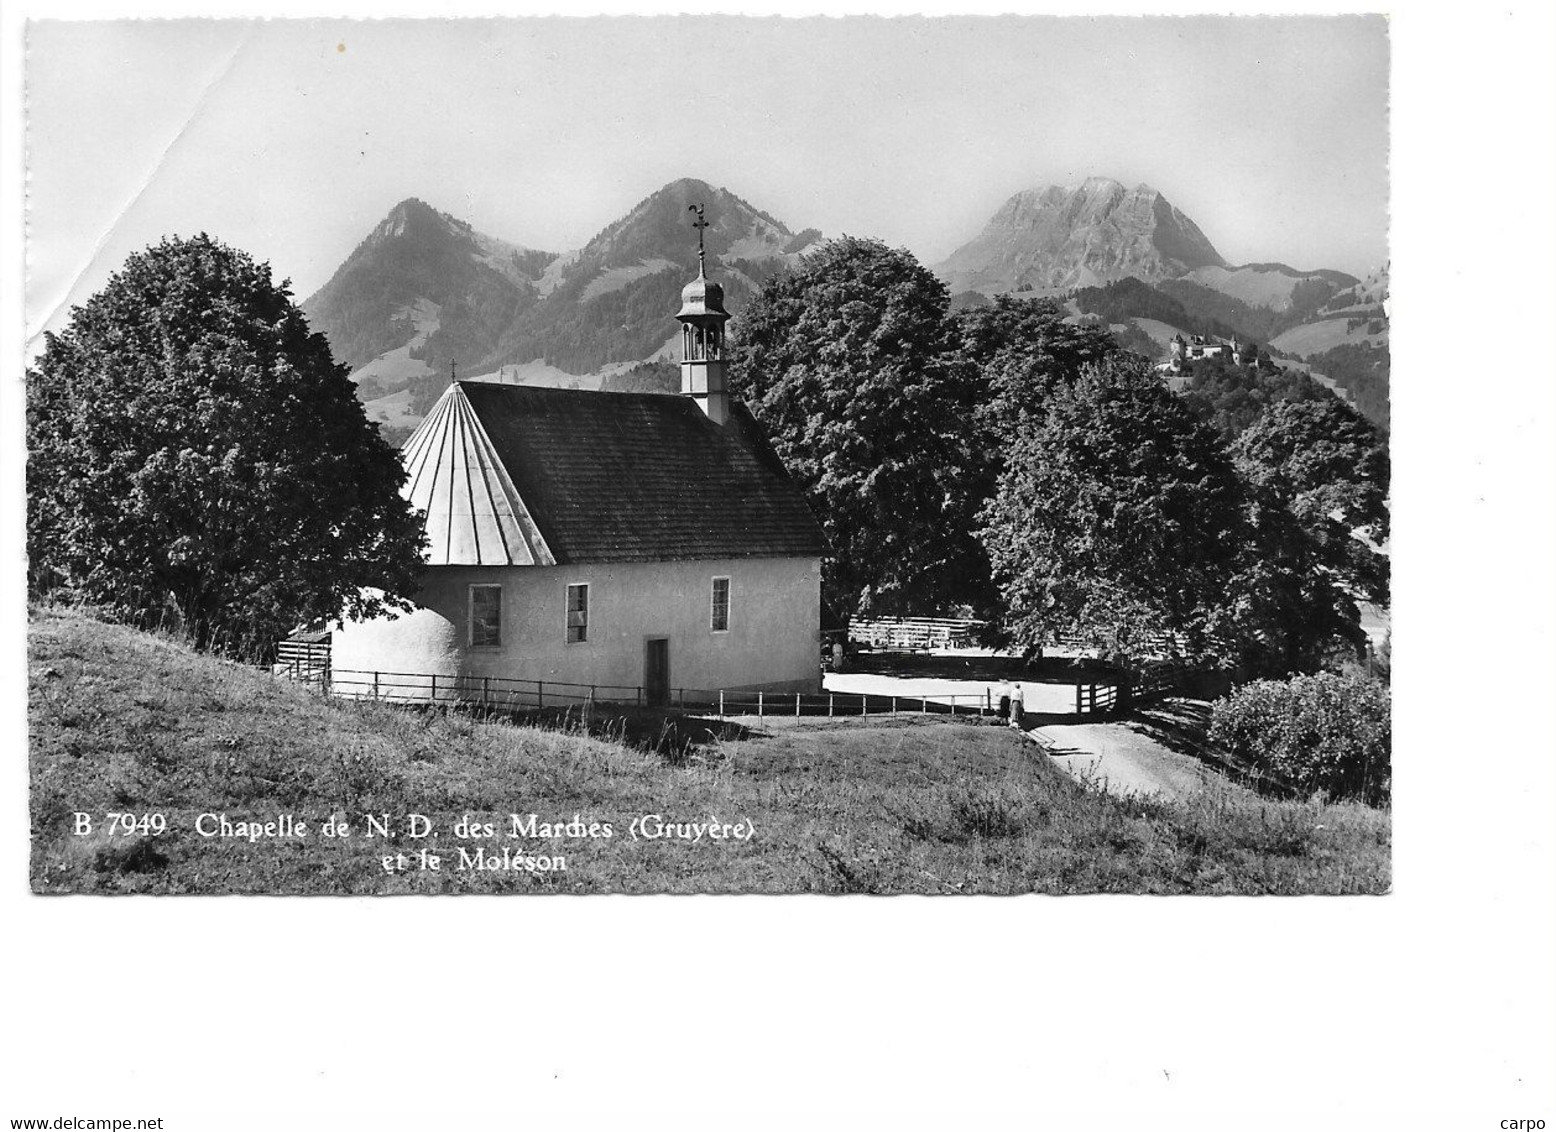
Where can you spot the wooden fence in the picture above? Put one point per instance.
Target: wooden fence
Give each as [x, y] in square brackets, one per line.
[507, 694]
[514, 696]
[1154, 681]
[304, 660]
[777, 704]
[1098, 699]
[920, 634]
[914, 633]
[1153, 646]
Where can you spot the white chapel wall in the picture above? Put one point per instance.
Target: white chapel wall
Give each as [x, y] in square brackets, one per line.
[772, 643]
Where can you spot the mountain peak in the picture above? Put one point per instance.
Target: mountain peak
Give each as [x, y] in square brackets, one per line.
[687, 186]
[414, 216]
[1102, 185]
[1054, 239]
[411, 205]
[658, 228]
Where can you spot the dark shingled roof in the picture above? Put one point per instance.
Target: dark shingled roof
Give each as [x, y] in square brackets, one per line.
[643, 477]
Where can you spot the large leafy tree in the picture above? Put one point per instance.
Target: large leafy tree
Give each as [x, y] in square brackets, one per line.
[1329, 467]
[1034, 332]
[850, 362]
[1023, 348]
[1286, 611]
[196, 455]
[1118, 514]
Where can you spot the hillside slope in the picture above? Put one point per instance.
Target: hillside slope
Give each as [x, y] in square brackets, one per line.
[130, 723]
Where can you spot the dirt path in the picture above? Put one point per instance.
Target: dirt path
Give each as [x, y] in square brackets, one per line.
[1127, 762]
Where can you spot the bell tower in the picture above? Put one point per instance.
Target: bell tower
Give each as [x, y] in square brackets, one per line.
[702, 317]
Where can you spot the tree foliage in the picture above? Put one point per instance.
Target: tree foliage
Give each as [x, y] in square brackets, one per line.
[1097, 500]
[1116, 512]
[644, 377]
[1121, 516]
[1231, 397]
[1024, 348]
[1362, 369]
[1285, 611]
[1129, 298]
[196, 454]
[847, 361]
[1035, 330]
[1329, 467]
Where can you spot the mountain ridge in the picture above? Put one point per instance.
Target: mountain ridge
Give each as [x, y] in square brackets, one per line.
[425, 289]
[1055, 239]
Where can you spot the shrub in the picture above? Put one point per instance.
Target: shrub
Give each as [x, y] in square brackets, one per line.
[1318, 734]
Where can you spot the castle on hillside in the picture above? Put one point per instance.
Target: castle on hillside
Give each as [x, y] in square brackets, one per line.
[1203, 346]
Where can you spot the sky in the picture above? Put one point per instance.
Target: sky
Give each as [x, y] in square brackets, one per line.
[292, 138]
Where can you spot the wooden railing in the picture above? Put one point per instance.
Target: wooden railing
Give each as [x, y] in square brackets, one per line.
[304, 661]
[914, 632]
[777, 704]
[515, 696]
[1154, 681]
[502, 693]
[489, 691]
[1097, 699]
[1154, 646]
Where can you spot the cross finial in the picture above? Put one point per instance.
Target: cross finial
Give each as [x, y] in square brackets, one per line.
[452, 372]
[700, 223]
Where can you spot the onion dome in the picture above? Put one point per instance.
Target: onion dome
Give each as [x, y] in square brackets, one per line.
[702, 296]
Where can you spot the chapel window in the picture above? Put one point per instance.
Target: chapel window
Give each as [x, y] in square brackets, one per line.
[485, 616]
[577, 613]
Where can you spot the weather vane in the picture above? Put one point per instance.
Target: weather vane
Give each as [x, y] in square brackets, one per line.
[700, 223]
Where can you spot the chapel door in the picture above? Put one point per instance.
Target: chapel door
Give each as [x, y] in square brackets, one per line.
[656, 671]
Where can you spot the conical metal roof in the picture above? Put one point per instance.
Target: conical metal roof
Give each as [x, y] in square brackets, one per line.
[474, 514]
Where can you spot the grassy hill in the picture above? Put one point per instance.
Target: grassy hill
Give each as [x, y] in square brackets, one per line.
[131, 723]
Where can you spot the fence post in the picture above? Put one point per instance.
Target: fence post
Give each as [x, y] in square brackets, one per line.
[721, 703]
[486, 691]
[640, 695]
[894, 705]
[796, 705]
[1077, 697]
[375, 685]
[923, 705]
[864, 705]
[759, 708]
[540, 694]
[434, 687]
[829, 705]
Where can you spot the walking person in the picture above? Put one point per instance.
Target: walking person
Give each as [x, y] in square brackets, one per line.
[1017, 707]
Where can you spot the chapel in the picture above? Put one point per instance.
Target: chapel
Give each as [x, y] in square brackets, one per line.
[631, 543]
